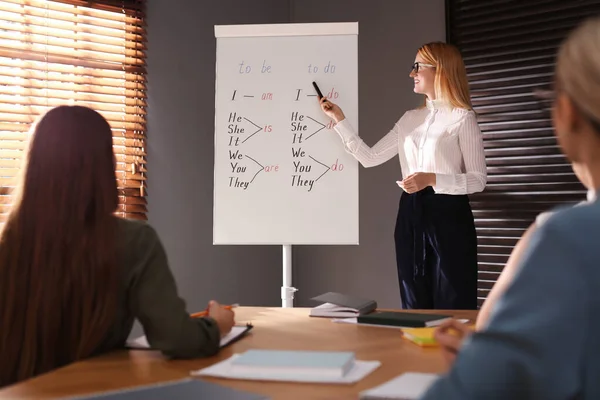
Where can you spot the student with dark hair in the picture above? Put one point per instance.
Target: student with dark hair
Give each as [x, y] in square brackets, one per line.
[73, 276]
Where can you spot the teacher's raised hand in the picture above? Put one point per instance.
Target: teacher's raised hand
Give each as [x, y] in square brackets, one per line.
[332, 110]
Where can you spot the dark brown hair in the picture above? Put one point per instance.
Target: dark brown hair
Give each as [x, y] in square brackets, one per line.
[58, 272]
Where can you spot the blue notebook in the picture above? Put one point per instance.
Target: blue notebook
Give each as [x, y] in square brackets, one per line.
[186, 389]
[329, 363]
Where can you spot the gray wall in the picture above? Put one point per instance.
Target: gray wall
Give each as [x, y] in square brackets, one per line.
[181, 98]
[181, 73]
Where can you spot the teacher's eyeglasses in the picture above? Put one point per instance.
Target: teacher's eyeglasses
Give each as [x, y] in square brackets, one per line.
[418, 65]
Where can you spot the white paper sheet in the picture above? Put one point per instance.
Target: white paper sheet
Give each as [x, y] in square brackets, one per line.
[408, 386]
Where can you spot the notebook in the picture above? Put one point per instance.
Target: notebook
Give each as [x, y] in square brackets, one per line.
[339, 305]
[408, 386]
[224, 370]
[353, 321]
[186, 389]
[324, 363]
[395, 318]
[237, 332]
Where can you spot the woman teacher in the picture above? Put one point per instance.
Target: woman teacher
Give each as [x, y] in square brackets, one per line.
[442, 161]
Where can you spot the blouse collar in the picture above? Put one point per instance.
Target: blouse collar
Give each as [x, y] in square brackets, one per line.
[436, 104]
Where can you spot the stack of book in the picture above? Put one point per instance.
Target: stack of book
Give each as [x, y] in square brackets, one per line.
[337, 305]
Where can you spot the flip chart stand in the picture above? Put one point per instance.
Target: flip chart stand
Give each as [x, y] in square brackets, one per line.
[287, 290]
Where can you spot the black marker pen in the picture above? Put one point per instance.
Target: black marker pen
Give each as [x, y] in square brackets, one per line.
[318, 91]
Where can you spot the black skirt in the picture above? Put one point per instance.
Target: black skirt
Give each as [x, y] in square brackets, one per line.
[436, 251]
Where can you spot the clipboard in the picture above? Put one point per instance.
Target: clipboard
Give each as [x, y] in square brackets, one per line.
[237, 333]
[240, 335]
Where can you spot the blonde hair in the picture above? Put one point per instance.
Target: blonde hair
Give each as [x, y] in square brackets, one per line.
[451, 82]
[578, 67]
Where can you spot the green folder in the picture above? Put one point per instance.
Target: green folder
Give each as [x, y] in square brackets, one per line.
[396, 318]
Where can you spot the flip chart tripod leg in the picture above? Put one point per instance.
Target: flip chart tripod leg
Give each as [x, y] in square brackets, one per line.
[287, 291]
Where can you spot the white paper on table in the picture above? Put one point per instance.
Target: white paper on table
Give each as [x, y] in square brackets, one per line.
[408, 386]
[223, 370]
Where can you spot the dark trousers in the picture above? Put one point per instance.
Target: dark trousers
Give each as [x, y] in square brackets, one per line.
[436, 251]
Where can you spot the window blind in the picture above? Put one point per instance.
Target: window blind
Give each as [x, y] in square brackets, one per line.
[509, 48]
[89, 53]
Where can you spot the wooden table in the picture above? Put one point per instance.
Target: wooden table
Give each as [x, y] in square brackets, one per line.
[274, 328]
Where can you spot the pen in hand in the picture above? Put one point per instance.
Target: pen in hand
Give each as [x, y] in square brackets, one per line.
[205, 312]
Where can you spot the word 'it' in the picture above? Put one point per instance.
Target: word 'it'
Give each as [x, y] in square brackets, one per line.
[247, 68]
[328, 69]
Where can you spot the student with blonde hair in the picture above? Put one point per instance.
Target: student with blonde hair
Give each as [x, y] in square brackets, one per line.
[452, 334]
[442, 161]
[542, 338]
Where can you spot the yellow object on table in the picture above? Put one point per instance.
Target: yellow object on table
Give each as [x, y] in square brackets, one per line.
[420, 336]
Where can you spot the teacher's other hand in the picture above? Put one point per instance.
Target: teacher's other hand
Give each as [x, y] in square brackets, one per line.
[451, 336]
[417, 181]
[332, 110]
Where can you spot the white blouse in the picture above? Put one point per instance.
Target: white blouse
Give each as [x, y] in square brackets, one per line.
[438, 138]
